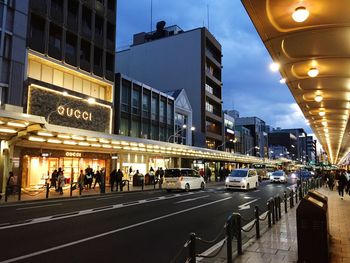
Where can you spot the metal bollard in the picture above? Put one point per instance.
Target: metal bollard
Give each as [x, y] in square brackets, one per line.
[257, 222]
[269, 213]
[276, 208]
[296, 194]
[229, 237]
[192, 248]
[291, 199]
[285, 202]
[142, 184]
[273, 211]
[279, 207]
[47, 190]
[237, 223]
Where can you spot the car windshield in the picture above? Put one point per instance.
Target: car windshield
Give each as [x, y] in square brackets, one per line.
[238, 173]
[277, 173]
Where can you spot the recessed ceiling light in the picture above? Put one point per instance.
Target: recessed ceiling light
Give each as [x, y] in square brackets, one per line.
[318, 98]
[54, 141]
[300, 14]
[274, 66]
[313, 72]
[321, 113]
[43, 133]
[7, 130]
[91, 100]
[324, 123]
[16, 124]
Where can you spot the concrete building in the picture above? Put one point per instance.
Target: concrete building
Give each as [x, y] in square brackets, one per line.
[169, 59]
[257, 128]
[229, 130]
[244, 140]
[301, 135]
[311, 149]
[287, 143]
[141, 111]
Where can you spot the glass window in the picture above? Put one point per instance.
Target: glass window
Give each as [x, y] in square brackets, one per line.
[162, 111]
[145, 130]
[208, 88]
[1, 12]
[98, 26]
[163, 133]
[71, 44]
[155, 132]
[154, 107]
[124, 126]
[7, 46]
[9, 19]
[85, 51]
[146, 104]
[170, 113]
[209, 107]
[55, 37]
[86, 17]
[125, 97]
[136, 101]
[135, 128]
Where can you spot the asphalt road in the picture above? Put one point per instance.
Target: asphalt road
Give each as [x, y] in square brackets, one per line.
[150, 226]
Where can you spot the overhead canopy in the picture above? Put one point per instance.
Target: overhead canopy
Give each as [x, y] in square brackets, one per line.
[321, 43]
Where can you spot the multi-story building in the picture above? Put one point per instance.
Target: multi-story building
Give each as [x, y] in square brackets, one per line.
[141, 111]
[229, 130]
[257, 129]
[169, 59]
[301, 147]
[244, 140]
[311, 148]
[284, 143]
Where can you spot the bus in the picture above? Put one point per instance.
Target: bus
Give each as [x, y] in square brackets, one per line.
[264, 170]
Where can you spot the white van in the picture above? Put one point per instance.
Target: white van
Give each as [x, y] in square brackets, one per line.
[242, 179]
[182, 178]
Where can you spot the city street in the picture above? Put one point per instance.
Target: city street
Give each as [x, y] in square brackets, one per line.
[150, 226]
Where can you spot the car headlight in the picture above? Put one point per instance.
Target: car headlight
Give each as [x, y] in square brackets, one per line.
[244, 181]
[271, 177]
[227, 180]
[283, 178]
[293, 175]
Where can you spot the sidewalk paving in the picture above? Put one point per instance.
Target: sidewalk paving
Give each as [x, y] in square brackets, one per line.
[279, 244]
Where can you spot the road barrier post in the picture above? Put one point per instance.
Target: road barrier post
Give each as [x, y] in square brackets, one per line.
[257, 222]
[279, 207]
[273, 211]
[285, 202]
[192, 248]
[269, 213]
[47, 190]
[291, 199]
[238, 228]
[229, 237]
[276, 207]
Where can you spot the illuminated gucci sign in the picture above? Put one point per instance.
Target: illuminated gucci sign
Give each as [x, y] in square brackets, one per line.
[73, 154]
[76, 113]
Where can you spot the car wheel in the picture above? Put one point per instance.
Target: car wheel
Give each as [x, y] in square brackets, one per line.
[187, 187]
[202, 186]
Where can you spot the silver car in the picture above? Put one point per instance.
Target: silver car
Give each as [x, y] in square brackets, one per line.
[278, 177]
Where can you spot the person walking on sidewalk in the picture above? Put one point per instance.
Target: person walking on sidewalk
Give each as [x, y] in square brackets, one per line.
[61, 182]
[119, 180]
[342, 182]
[112, 179]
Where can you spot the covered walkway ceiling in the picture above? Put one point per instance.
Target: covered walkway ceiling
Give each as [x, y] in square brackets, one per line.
[321, 43]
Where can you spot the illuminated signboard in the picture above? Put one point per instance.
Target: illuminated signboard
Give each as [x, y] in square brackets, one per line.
[68, 111]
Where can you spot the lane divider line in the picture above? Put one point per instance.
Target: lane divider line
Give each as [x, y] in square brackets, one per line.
[33, 207]
[110, 232]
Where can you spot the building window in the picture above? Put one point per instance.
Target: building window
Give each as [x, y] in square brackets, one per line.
[162, 133]
[209, 107]
[145, 130]
[155, 132]
[146, 105]
[124, 126]
[155, 107]
[9, 19]
[6, 53]
[136, 101]
[209, 88]
[37, 35]
[84, 52]
[86, 23]
[125, 97]
[135, 129]
[71, 49]
[170, 113]
[98, 27]
[1, 13]
[55, 41]
[162, 111]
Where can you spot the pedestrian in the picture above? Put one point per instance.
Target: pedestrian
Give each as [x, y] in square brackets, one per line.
[331, 181]
[61, 182]
[54, 176]
[207, 175]
[81, 180]
[10, 184]
[97, 179]
[342, 183]
[112, 179]
[88, 177]
[201, 172]
[119, 180]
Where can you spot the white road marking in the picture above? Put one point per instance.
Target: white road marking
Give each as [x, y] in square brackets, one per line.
[245, 204]
[110, 232]
[111, 197]
[248, 197]
[90, 211]
[191, 199]
[39, 206]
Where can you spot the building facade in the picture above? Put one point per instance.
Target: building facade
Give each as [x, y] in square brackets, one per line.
[229, 131]
[170, 58]
[311, 149]
[301, 135]
[141, 111]
[283, 144]
[244, 140]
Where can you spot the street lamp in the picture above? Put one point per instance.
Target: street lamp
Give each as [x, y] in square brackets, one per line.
[224, 143]
[255, 147]
[184, 126]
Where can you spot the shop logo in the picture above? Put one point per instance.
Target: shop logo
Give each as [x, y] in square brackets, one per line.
[73, 154]
[76, 113]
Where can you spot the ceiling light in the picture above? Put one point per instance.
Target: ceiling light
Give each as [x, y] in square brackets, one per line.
[115, 142]
[274, 67]
[16, 124]
[70, 142]
[91, 139]
[321, 113]
[83, 144]
[1, 122]
[54, 141]
[47, 134]
[7, 130]
[79, 138]
[91, 100]
[318, 98]
[313, 72]
[65, 93]
[63, 136]
[283, 80]
[95, 145]
[324, 123]
[36, 139]
[107, 146]
[104, 141]
[300, 14]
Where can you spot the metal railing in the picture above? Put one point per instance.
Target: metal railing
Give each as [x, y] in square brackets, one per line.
[233, 227]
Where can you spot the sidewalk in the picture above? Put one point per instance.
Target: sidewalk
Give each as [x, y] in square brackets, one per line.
[280, 243]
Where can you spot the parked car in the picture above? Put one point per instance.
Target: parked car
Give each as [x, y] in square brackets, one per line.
[182, 179]
[278, 177]
[242, 179]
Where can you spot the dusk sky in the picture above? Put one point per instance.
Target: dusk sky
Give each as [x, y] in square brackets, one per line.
[248, 84]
